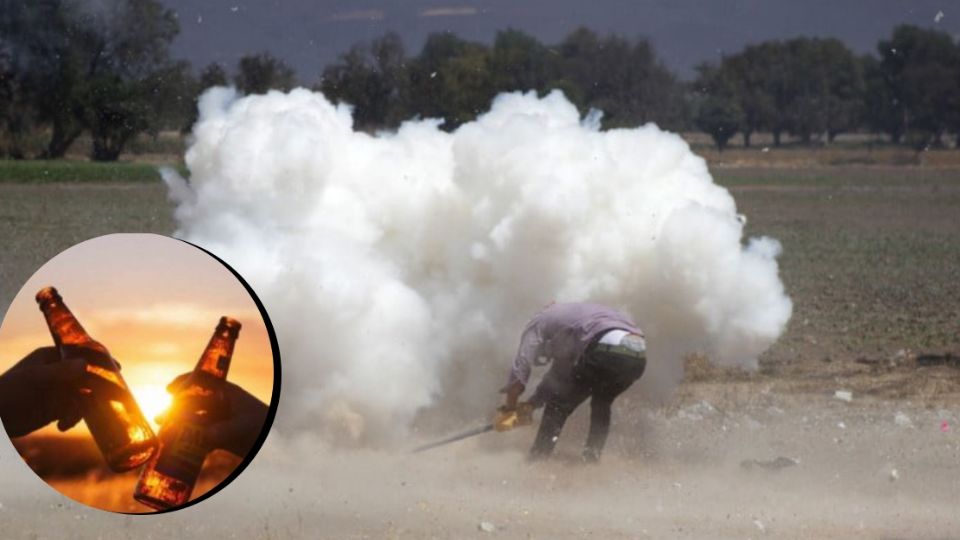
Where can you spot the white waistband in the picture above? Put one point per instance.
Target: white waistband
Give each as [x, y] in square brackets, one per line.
[613, 337]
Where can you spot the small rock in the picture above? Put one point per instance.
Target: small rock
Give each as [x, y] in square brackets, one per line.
[894, 475]
[844, 395]
[487, 527]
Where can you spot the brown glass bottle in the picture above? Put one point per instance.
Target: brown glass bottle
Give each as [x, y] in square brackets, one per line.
[108, 408]
[168, 480]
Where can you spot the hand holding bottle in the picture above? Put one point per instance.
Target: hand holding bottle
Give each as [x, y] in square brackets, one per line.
[39, 389]
[242, 419]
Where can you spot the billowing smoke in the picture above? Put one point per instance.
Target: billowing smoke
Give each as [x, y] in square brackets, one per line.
[399, 269]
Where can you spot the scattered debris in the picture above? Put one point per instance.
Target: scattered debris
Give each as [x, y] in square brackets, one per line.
[902, 420]
[894, 475]
[777, 464]
[944, 426]
[844, 395]
[841, 425]
[487, 527]
[760, 526]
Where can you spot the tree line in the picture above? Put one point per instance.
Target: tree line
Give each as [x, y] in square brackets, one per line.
[105, 69]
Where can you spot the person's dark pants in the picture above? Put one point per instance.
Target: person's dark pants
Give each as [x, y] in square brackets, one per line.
[599, 375]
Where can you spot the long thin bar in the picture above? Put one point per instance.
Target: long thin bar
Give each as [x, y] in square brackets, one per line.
[455, 438]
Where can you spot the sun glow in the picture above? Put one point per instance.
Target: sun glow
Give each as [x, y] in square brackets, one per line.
[153, 400]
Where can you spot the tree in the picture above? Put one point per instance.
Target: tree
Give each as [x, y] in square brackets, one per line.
[881, 111]
[622, 78]
[750, 73]
[129, 69]
[213, 75]
[16, 115]
[579, 53]
[719, 114]
[450, 79]
[257, 74]
[844, 87]
[80, 62]
[373, 78]
[519, 62]
[826, 88]
[46, 69]
[919, 69]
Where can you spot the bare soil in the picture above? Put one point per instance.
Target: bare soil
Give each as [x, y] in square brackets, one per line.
[872, 261]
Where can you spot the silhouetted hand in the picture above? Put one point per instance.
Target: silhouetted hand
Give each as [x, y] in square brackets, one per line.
[245, 418]
[39, 389]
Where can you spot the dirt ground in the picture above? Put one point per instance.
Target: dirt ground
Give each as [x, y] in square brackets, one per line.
[872, 262]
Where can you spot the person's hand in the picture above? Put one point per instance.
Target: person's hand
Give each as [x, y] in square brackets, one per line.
[508, 418]
[40, 389]
[244, 420]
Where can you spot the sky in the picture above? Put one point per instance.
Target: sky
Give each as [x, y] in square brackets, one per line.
[309, 34]
[153, 302]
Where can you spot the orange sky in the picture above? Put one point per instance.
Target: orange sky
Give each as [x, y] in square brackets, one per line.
[153, 302]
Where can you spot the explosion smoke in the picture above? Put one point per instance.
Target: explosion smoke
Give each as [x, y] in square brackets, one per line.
[400, 268]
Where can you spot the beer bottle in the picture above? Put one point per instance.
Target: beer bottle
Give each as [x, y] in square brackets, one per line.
[118, 427]
[168, 480]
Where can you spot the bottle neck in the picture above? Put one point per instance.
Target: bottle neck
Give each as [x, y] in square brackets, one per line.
[215, 360]
[64, 327]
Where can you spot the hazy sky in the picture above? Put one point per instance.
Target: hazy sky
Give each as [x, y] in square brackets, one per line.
[153, 302]
[309, 34]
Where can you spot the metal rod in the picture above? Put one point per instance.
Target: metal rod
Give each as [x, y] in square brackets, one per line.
[455, 438]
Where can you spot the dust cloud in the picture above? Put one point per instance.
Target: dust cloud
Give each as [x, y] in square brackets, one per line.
[399, 268]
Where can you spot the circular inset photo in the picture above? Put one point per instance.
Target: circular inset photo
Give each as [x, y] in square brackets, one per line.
[138, 373]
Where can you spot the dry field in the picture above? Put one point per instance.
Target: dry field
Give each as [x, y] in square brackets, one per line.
[872, 262]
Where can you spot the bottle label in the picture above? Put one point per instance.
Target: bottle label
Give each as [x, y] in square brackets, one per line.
[182, 458]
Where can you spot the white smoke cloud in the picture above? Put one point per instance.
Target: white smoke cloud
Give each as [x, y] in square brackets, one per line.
[399, 269]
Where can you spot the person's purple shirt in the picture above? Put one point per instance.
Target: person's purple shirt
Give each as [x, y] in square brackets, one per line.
[561, 333]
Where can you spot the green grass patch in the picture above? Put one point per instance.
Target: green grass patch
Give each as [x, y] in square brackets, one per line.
[66, 171]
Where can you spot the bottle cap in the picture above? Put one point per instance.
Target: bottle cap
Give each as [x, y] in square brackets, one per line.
[230, 325]
[48, 294]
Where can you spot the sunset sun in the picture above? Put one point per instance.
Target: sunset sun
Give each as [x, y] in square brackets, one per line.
[153, 400]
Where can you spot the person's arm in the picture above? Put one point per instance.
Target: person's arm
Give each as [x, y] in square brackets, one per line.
[513, 392]
[522, 364]
[39, 389]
